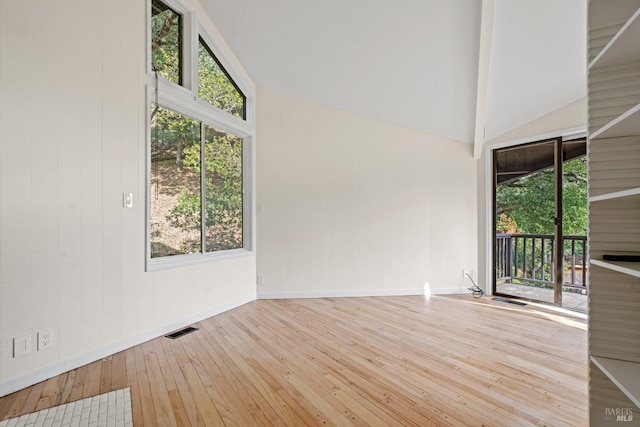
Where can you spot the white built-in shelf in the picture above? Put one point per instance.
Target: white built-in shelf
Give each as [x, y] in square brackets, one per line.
[623, 47]
[625, 124]
[625, 375]
[616, 195]
[629, 268]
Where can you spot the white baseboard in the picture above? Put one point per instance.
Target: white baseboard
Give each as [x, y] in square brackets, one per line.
[450, 291]
[364, 293]
[341, 294]
[22, 381]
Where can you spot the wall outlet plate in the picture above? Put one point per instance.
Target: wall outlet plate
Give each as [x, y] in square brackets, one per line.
[21, 345]
[45, 339]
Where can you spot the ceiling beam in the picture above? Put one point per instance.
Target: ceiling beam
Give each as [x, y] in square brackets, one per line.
[486, 33]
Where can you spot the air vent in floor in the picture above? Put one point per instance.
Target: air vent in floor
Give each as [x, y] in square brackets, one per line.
[181, 332]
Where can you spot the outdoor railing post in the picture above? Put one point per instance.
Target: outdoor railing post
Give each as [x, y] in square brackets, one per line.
[573, 261]
[509, 259]
[533, 257]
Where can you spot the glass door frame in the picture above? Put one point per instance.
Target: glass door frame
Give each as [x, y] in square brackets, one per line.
[558, 161]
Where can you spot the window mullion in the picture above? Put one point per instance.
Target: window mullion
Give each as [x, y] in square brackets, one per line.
[190, 51]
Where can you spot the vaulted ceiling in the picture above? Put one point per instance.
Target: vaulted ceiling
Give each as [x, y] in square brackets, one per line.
[413, 62]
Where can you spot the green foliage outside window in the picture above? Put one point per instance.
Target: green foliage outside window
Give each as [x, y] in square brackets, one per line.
[196, 170]
[528, 203]
[176, 191]
[215, 86]
[223, 192]
[526, 206]
[166, 52]
[173, 178]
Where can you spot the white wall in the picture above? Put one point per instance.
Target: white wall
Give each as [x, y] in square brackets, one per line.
[357, 206]
[72, 140]
[572, 116]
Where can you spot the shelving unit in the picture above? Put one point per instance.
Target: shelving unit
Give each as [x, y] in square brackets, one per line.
[623, 47]
[630, 268]
[627, 123]
[614, 209]
[616, 195]
[625, 375]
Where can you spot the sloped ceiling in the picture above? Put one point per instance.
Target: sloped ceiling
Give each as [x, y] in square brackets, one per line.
[409, 62]
[538, 61]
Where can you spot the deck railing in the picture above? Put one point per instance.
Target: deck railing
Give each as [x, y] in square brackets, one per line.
[529, 258]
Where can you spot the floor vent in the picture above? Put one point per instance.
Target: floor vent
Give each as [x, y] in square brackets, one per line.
[509, 301]
[181, 332]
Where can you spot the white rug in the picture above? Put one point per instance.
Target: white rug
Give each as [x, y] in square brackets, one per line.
[111, 409]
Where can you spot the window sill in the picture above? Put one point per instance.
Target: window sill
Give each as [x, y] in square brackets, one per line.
[175, 261]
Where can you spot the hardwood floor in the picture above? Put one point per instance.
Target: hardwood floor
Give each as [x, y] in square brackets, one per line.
[446, 360]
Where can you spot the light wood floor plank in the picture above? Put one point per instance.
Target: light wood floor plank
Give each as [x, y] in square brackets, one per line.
[254, 402]
[119, 371]
[106, 378]
[411, 361]
[93, 380]
[179, 411]
[161, 402]
[12, 404]
[132, 382]
[147, 417]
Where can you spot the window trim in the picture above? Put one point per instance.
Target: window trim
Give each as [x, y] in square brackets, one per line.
[184, 100]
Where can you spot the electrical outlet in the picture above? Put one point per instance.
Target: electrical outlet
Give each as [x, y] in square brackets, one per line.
[260, 280]
[469, 274]
[45, 339]
[21, 345]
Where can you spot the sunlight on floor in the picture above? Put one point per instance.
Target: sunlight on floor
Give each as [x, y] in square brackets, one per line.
[564, 317]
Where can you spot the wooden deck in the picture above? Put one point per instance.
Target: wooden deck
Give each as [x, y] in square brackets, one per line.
[413, 361]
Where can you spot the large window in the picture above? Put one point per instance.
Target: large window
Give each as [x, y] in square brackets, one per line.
[185, 154]
[200, 168]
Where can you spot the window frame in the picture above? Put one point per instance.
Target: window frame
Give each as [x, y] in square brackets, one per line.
[184, 100]
[224, 70]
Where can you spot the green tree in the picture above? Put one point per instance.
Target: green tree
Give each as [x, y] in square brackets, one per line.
[165, 42]
[223, 192]
[215, 86]
[529, 201]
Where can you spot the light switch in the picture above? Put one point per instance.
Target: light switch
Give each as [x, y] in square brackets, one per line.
[127, 200]
[21, 345]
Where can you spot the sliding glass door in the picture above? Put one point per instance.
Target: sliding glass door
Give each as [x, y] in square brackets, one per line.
[540, 212]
